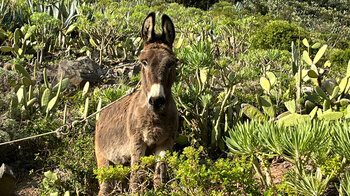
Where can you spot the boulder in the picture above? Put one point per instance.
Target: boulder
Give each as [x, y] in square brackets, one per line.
[4, 136]
[124, 70]
[128, 69]
[80, 71]
[329, 85]
[7, 181]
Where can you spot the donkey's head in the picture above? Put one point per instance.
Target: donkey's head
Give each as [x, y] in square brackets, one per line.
[158, 62]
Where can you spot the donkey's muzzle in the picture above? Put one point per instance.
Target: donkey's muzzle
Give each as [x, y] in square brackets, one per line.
[156, 102]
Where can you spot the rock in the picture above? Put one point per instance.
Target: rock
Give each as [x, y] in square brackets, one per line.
[80, 71]
[124, 70]
[4, 136]
[136, 68]
[329, 85]
[306, 89]
[128, 69]
[7, 181]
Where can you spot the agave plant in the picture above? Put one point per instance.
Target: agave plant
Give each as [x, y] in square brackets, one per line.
[243, 140]
[344, 188]
[341, 138]
[300, 142]
[313, 183]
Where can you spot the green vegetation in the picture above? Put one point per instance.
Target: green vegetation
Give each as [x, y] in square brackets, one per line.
[260, 84]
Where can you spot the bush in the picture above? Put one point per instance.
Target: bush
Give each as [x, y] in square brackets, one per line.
[74, 162]
[198, 176]
[278, 34]
[202, 4]
[190, 173]
[339, 58]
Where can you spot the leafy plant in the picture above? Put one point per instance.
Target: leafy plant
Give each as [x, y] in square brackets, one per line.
[28, 96]
[112, 31]
[341, 135]
[278, 34]
[344, 188]
[309, 184]
[46, 28]
[332, 96]
[243, 140]
[53, 184]
[296, 144]
[265, 101]
[194, 94]
[21, 42]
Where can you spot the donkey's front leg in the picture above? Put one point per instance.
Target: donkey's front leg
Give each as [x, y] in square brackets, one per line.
[160, 170]
[105, 187]
[136, 177]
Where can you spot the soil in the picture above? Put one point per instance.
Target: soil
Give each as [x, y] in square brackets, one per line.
[278, 169]
[27, 185]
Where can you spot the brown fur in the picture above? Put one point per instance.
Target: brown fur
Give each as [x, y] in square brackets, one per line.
[133, 127]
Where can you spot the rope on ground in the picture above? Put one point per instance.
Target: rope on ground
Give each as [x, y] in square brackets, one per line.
[69, 126]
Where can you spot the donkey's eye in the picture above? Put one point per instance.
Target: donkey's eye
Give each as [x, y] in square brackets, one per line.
[144, 63]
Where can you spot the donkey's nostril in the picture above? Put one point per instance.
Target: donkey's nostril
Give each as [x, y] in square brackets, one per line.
[156, 101]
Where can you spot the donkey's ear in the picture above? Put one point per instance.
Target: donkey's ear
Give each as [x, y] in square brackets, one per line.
[168, 34]
[147, 32]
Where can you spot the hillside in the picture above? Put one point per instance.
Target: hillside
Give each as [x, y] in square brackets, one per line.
[262, 90]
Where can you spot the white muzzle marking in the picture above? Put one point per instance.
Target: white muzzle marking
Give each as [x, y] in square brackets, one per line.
[157, 90]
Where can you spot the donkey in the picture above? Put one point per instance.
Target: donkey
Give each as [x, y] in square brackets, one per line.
[146, 121]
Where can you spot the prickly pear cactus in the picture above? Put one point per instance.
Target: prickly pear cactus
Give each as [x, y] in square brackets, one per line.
[252, 112]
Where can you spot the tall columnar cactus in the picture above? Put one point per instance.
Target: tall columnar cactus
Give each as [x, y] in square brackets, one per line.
[297, 71]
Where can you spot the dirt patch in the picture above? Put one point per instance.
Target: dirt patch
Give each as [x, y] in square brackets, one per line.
[278, 169]
[27, 185]
[29, 191]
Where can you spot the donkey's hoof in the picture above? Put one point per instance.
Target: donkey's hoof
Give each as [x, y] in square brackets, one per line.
[159, 177]
[157, 181]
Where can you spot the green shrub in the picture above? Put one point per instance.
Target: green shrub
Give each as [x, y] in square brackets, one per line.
[119, 173]
[190, 173]
[223, 8]
[74, 159]
[272, 57]
[339, 58]
[202, 4]
[206, 177]
[278, 34]
[203, 80]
